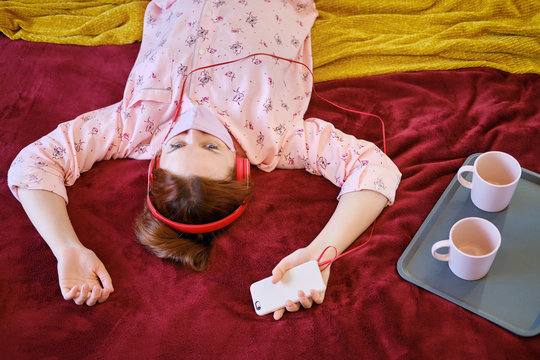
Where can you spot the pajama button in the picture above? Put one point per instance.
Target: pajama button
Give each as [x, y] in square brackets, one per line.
[202, 51]
[208, 12]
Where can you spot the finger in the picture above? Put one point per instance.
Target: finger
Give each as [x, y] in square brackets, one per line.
[105, 279]
[318, 297]
[277, 272]
[276, 275]
[70, 294]
[79, 300]
[292, 307]
[284, 265]
[104, 296]
[278, 314]
[94, 296]
[304, 300]
[281, 268]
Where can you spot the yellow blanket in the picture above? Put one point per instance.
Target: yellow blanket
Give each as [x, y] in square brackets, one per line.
[356, 38]
[80, 22]
[350, 38]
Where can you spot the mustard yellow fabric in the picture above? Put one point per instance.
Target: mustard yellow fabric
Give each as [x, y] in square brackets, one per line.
[78, 22]
[367, 37]
[350, 38]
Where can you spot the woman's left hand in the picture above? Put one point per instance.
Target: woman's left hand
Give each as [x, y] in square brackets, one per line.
[298, 257]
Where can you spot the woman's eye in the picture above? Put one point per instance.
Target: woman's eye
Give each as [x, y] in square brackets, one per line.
[211, 147]
[177, 146]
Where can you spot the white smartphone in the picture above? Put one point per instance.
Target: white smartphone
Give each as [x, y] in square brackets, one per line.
[268, 297]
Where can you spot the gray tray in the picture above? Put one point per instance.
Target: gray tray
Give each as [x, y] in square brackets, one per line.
[509, 295]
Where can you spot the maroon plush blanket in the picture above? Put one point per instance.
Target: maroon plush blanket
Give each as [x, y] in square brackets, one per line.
[434, 121]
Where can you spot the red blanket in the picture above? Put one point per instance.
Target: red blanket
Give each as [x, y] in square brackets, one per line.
[434, 121]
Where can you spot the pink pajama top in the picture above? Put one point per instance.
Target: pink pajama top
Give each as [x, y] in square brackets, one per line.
[261, 100]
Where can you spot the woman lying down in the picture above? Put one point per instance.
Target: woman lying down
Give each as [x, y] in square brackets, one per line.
[202, 123]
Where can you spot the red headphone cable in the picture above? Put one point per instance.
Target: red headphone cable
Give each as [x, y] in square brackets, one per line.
[327, 263]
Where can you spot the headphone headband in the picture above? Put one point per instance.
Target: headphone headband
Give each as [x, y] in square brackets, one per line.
[242, 172]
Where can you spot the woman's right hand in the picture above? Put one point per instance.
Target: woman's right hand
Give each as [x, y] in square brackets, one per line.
[82, 276]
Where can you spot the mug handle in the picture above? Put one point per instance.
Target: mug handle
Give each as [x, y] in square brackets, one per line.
[461, 179]
[437, 246]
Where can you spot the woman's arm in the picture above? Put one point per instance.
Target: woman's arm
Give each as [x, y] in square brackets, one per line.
[353, 215]
[82, 276]
[368, 181]
[348, 162]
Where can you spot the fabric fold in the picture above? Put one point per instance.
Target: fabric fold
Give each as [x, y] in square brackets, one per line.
[99, 22]
[352, 38]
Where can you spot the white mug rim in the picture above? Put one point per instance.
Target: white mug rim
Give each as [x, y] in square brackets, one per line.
[490, 224]
[500, 153]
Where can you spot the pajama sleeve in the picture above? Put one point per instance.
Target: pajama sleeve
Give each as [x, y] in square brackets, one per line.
[57, 159]
[346, 161]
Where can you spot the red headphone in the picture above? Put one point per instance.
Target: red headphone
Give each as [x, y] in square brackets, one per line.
[242, 173]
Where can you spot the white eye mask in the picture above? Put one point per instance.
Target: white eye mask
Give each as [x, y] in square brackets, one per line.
[200, 118]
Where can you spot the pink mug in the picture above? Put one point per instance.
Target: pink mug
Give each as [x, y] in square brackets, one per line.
[495, 178]
[472, 247]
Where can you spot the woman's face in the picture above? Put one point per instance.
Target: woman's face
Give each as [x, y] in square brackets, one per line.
[196, 153]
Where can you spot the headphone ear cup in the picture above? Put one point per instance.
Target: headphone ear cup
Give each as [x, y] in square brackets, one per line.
[242, 168]
[247, 167]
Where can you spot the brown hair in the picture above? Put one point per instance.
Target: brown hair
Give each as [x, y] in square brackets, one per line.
[192, 200]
